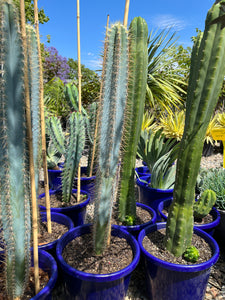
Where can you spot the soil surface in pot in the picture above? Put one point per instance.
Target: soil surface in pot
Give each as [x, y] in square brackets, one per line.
[142, 216]
[30, 289]
[79, 255]
[206, 220]
[56, 200]
[45, 237]
[154, 244]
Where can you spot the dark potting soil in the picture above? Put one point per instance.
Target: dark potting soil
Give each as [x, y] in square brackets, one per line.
[154, 244]
[30, 289]
[142, 216]
[206, 220]
[56, 200]
[79, 254]
[45, 237]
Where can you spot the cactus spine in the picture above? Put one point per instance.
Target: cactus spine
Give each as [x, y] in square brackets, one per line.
[15, 191]
[138, 67]
[205, 203]
[112, 105]
[206, 77]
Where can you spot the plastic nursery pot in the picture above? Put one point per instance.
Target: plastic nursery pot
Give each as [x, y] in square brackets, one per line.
[82, 285]
[208, 227]
[142, 171]
[151, 196]
[60, 219]
[87, 183]
[75, 212]
[135, 230]
[220, 229]
[168, 281]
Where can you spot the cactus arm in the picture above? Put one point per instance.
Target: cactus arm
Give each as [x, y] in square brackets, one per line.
[34, 75]
[54, 129]
[138, 59]
[201, 98]
[203, 206]
[110, 130]
[74, 151]
[14, 194]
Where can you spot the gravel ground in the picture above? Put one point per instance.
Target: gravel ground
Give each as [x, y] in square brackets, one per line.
[216, 284]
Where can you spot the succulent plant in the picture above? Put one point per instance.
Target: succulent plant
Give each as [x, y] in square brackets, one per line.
[204, 204]
[205, 81]
[191, 254]
[138, 61]
[112, 106]
[14, 174]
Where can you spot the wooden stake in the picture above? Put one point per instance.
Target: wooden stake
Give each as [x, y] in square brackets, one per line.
[125, 19]
[30, 147]
[97, 117]
[79, 86]
[42, 117]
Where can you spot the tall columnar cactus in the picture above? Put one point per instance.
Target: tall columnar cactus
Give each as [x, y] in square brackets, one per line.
[205, 203]
[14, 182]
[206, 77]
[71, 147]
[138, 66]
[112, 105]
[34, 84]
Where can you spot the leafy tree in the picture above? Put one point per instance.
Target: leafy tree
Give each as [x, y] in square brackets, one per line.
[90, 82]
[54, 65]
[29, 11]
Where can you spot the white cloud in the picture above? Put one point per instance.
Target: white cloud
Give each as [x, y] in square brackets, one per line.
[168, 21]
[90, 54]
[93, 64]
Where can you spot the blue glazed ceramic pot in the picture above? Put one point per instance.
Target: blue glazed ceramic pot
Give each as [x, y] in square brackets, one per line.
[81, 285]
[135, 230]
[150, 196]
[48, 264]
[168, 281]
[142, 171]
[60, 219]
[87, 183]
[208, 227]
[76, 212]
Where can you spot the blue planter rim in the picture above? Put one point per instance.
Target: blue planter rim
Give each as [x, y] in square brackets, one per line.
[53, 278]
[145, 185]
[58, 218]
[214, 212]
[177, 267]
[62, 209]
[83, 170]
[139, 227]
[69, 236]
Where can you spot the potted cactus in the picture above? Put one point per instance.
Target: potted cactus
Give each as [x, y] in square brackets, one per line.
[71, 147]
[206, 216]
[14, 175]
[205, 81]
[112, 107]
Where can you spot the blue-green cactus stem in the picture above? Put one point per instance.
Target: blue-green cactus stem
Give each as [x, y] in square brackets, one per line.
[112, 105]
[138, 67]
[34, 84]
[74, 149]
[15, 192]
[203, 92]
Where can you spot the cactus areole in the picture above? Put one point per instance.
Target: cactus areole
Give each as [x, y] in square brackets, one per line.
[206, 77]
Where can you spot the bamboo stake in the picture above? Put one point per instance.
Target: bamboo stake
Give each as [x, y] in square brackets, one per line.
[125, 19]
[79, 86]
[97, 117]
[30, 147]
[42, 117]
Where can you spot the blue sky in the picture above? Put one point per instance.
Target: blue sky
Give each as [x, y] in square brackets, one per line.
[184, 16]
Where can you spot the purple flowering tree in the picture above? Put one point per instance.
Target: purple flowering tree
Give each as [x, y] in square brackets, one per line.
[54, 65]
